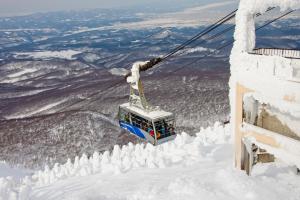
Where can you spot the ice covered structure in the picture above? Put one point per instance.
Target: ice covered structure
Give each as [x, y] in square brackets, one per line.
[264, 92]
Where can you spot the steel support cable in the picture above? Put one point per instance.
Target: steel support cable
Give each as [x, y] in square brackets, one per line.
[201, 34]
[196, 37]
[144, 38]
[115, 84]
[221, 32]
[212, 37]
[209, 38]
[209, 29]
[227, 44]
[206, 31]
[231, 42]
[121, 81]
[153, 62]
[127, 66]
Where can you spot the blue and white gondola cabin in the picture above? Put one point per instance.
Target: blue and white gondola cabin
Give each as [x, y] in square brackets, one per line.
[156, 126]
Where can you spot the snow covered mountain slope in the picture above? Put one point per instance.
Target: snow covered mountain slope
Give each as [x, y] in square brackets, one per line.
[52, 105]
[187, 168]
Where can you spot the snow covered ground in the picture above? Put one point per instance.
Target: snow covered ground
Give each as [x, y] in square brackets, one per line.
[17, 173]
[37, 111]
[198, 167]
[65, 54]
[118, 71]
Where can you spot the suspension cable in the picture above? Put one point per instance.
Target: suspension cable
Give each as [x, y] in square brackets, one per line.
[180, 47]
[121, 81]
[216, 50]
[231, 42]
[201, 34]
[221, 33]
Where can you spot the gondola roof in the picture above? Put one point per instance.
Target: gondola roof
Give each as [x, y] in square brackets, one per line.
[151, 115]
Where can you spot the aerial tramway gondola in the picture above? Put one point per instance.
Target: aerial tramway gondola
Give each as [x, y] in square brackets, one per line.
[139, 118]
[151, 123]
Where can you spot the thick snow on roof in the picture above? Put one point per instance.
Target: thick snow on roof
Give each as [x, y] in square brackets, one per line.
[154, 114]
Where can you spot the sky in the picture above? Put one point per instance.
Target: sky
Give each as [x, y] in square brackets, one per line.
[20, 7]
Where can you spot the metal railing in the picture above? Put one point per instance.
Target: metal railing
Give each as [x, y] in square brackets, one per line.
[287, 53]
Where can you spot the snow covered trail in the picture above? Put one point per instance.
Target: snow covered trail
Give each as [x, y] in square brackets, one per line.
[188, 168]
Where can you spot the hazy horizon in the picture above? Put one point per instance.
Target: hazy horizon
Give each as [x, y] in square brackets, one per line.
[16, 7]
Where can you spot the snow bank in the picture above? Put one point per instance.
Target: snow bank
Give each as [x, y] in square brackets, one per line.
[188, 168]
[183, 150]
[12, 190]
[14, 183]
[7, 189]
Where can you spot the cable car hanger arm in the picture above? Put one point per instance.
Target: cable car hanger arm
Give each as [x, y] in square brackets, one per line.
[147, 65]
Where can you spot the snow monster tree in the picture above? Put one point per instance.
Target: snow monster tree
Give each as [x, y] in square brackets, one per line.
[264, 92]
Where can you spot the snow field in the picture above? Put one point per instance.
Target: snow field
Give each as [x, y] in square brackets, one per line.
[189, 167]
[183, 150]
[10, 182]
[65, 54]
[118, 71]
[11, 189]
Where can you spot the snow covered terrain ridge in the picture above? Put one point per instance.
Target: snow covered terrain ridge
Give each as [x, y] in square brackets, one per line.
[66, 54]
[187, 168]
